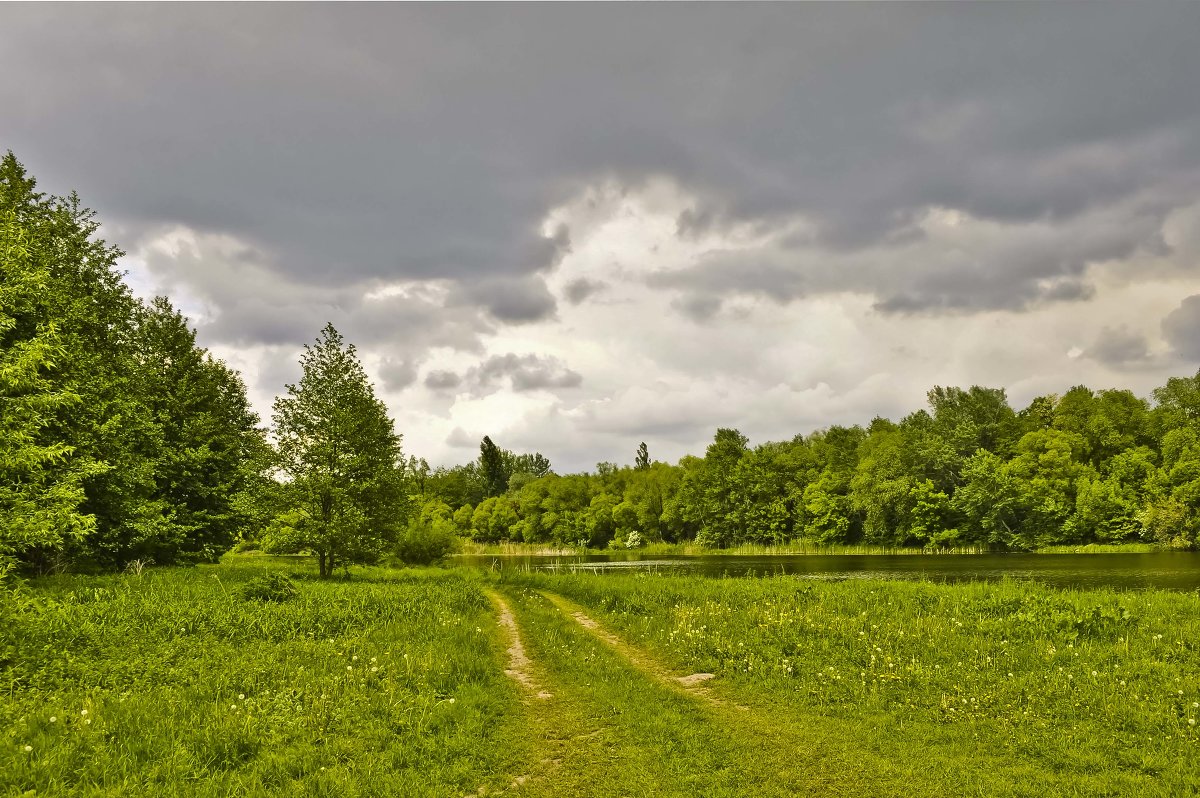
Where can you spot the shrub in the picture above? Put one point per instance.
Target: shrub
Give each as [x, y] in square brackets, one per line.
[426, 541]
[272, 587]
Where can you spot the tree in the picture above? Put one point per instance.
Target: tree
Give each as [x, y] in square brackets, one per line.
[212, 451]
[342, 456]
[491, 468]
[41, 481]
[108, 429]
[642, 461]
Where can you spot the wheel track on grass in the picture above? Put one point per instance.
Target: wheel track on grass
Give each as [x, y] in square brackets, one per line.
[691, 684]
[544, 777]
[519, 667]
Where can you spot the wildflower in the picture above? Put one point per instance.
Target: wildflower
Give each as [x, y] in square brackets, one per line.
[88, 721]
[451, 700]
[1191, 721]
[84, 711]
[53, 719]
[354, 658]
[374, 668]
[29, 749]
[241, 696]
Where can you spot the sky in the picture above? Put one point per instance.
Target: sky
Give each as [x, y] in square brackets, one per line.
[577, 227]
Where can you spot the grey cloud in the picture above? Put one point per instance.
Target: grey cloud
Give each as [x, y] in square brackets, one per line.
[1181, 328]
[1119, 346]
[397, 374]
[523, 373]
[459, 439]
[698, 307]
[512, 301]
[581, 288]
[429, 141]
[442, 380]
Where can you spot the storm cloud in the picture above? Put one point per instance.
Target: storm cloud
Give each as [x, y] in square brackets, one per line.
[766, 197]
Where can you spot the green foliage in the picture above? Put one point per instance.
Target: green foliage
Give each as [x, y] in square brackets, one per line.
[342, 457]
[427, 541]
[121, 440]
[269, 587]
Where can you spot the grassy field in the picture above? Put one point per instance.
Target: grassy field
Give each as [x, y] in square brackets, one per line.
[397, 683]
[169, 683]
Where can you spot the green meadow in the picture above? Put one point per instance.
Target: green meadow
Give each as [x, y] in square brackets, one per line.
[411, 682]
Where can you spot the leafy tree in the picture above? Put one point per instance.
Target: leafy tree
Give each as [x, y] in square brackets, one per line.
[492, 468]
[642, 460]
[340, 452]
[212, 451]
[41, 481]
[109, 428]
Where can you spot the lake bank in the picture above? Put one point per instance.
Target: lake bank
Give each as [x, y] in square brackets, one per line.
[472, 548]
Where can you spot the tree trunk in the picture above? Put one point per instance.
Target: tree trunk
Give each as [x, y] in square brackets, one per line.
[321, 560]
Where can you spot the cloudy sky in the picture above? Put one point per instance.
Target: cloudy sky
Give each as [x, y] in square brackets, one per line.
[574, 228]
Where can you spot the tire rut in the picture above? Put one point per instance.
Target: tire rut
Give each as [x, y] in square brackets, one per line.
[692, 684]
[520, 668]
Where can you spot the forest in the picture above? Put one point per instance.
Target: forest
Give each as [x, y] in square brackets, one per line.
[123, 442]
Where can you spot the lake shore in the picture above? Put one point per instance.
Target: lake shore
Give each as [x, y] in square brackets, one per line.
[508, 549]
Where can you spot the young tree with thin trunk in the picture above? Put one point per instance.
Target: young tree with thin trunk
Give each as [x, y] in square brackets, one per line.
[341, 457]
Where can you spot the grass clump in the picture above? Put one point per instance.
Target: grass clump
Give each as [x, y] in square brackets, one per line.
[269, 587]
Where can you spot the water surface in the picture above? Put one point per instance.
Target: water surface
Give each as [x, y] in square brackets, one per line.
[1167, 570]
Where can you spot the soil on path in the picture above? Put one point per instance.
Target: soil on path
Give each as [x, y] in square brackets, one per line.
[519, 667]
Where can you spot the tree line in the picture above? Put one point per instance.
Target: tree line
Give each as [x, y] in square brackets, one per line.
[1084, 467]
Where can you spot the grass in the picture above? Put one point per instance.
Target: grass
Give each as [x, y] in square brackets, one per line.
[392, 683]
[990, 685]
[170, 683]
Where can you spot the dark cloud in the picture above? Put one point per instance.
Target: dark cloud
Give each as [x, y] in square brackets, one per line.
[442, 380]
[1119, 346]
[698, 307]
[397, 374]
[459, 439]
[359, 142]
[522, 373]
[1181, 328]
[512, 301]
[581, 288]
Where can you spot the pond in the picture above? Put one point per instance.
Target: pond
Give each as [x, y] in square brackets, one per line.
[1166, 570]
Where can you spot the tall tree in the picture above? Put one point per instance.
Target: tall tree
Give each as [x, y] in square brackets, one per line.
[642, 461]
[41, 481]
[492, 468]
[213, 453]
[342, 456]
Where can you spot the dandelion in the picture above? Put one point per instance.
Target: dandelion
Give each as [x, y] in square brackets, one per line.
[349, 667]
[1191, 721]
[29, 749]
[88, 721]
[83, 712]
[233, 707]
[354, 658]
[241, 696]
[374, 668]
[1094, 673]
[451, 700]
[53, 719]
